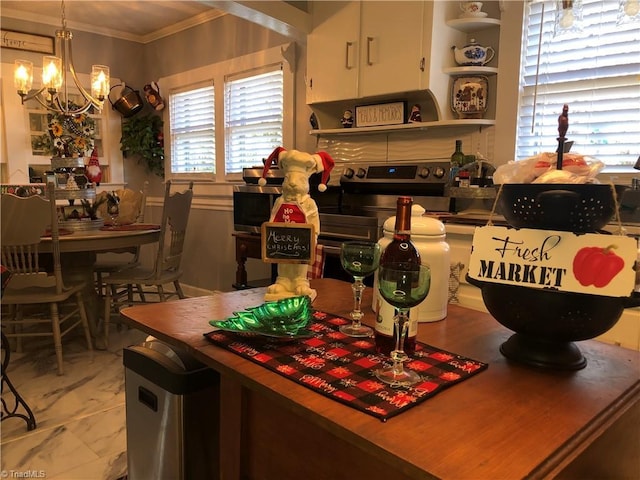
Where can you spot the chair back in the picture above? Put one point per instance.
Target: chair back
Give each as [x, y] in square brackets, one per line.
[175, 216]
[24, 221]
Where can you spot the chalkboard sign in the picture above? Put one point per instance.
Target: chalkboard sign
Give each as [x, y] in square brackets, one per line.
[288, 242]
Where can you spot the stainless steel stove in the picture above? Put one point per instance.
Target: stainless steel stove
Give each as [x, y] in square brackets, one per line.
[359, 198]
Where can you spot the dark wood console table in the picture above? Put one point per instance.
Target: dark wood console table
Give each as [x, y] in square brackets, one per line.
[248, 245]
[509, 422]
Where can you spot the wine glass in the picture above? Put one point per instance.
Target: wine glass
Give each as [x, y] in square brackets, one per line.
[403, 285]
[113, 207]
[359, 259]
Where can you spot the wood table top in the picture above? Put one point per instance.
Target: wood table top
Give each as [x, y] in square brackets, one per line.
[102, 240]
[510, 421]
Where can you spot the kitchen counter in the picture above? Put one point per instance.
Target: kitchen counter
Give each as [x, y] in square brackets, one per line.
[509, 421]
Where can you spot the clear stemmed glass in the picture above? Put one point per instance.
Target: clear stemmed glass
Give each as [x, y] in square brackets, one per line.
[403, 285]
[113, 207]
[359, 259]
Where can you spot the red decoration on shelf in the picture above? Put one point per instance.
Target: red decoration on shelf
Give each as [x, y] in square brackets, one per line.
[93, 170]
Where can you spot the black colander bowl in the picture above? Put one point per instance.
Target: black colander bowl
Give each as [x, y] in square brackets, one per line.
[546, 322]
[578, 208]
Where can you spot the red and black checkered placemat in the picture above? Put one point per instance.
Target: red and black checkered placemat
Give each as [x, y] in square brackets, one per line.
[342, 367]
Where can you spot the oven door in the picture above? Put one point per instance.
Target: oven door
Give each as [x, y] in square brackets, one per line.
[252, 206]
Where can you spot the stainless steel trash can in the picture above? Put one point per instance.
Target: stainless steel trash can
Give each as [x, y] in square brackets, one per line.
[172, 414]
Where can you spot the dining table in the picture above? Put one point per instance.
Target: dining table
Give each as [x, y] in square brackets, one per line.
[78, 253]
[510, 421]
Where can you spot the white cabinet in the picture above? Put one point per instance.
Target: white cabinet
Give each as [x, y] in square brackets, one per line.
[367, 49]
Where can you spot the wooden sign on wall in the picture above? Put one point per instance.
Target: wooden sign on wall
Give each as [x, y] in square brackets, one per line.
[27, 41]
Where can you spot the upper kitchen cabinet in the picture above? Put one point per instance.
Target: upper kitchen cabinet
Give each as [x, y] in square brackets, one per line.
[362, 49]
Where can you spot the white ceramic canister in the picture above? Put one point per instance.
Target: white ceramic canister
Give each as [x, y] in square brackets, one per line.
[428, 234]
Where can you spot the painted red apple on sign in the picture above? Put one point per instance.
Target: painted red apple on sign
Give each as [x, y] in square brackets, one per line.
[596, 266]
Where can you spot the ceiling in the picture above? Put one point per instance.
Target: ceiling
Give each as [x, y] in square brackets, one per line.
[136, 20]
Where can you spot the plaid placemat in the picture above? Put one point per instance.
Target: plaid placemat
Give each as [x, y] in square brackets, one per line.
[342, 367]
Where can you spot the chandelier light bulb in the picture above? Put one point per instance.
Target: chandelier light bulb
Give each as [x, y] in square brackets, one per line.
[632, 7]
[99, 81]
[51, 73]
[567, 18]
[23, 76]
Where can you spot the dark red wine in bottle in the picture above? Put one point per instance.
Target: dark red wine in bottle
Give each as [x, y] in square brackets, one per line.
[400, 250]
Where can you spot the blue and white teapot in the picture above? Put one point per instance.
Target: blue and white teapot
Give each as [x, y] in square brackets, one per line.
[473, 54]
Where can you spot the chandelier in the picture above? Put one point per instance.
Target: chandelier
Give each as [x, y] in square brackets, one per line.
[54, 94]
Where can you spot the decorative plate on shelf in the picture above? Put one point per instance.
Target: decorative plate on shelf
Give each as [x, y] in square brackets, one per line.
[284, 319]
[469, 96]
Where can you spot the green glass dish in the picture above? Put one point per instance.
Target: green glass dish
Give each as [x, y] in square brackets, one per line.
[286, 318]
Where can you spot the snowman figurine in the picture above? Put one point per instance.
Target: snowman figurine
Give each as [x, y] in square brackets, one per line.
[295, 205]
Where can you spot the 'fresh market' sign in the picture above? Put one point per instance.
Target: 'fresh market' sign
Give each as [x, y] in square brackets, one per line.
[583, 263]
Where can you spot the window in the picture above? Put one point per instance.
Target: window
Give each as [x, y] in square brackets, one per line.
[592, 66]
[254, 112]
[193, 141]
[229, 115]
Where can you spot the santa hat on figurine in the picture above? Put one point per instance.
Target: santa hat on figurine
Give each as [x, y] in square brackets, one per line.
[318, 162]
[324, 164]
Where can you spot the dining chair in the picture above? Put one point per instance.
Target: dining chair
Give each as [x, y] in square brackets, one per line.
[166, 268]
[132, 208]
[24, 221]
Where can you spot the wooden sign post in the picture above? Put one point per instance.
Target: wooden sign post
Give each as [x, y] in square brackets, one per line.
[288, 242]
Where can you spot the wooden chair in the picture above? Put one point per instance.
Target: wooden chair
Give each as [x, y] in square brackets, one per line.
[132, 207]
[166, 269]
[24, 221]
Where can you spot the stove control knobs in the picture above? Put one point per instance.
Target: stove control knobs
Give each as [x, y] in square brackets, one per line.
[439, 172]
[424, 172]
[361, 173]
[348, 172]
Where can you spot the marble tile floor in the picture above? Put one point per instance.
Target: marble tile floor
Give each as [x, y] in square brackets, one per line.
[80, 416]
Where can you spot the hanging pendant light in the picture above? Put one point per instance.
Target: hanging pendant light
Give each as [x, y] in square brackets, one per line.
[54, 93]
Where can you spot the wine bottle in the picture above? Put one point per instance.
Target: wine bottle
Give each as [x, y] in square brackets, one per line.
[400, 250]
[457, 159]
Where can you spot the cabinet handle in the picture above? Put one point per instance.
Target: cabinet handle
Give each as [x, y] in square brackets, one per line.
[422, 64]
[369, 42]
[347, 64]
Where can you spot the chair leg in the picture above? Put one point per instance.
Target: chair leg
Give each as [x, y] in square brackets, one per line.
[141, 293]
[18, 316]
[161, 293]
[178, 289]
[85, 322]
[99, 285]
[57, 338]
[107, 313]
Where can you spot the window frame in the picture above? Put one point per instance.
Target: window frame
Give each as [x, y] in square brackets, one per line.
[215, 74]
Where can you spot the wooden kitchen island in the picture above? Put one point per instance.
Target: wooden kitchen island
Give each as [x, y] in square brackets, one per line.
[508, 422]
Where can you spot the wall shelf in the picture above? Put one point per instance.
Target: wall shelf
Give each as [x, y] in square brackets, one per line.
[471, 70]
[474, 123]
[473, 24]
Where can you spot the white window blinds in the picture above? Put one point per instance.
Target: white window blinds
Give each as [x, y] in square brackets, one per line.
[254, 111]
[192, 128]
[594, 67]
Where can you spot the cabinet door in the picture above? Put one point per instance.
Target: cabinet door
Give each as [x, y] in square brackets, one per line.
[393, 46]
[333, 51]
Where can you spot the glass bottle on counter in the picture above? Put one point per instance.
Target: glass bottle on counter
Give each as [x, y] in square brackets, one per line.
[400, 250]
[457, 160]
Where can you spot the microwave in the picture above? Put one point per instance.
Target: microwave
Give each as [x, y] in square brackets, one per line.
[252, 205]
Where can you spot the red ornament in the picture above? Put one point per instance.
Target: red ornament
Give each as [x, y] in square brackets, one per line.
[94, 173]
